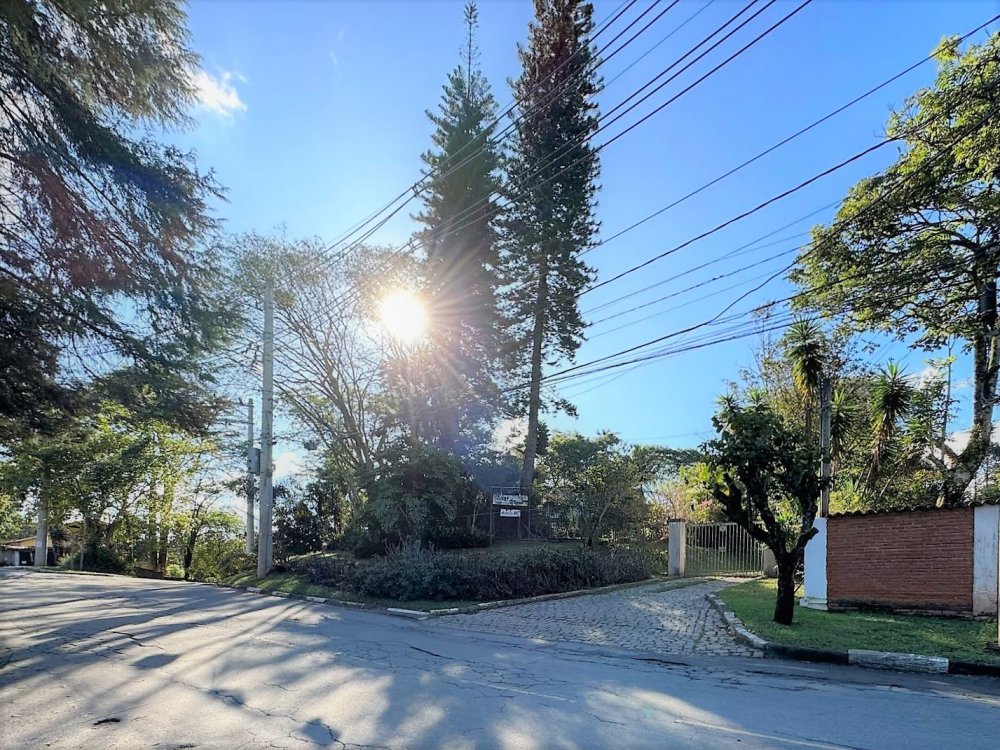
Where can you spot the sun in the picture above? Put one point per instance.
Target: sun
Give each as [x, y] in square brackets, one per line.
[403, 316]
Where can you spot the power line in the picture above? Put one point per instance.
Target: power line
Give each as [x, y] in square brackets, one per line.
[564, 149]
[717, 316]
[414, 243]
[417, 188]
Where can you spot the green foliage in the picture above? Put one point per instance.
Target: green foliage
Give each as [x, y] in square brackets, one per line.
[97, 558]
[763, 473]
[912, 252]
[598, 483]
[216, 558]
[459, 538]
[101, 223]
[12, 522]
[553, 185]
[690, 498]
[413, 573]
[460, 218]
[885, 427]
[304, 521]
[417, 492]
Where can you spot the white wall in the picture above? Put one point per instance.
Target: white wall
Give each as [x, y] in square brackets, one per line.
[985, 559]
[677, 550]
[814, 568]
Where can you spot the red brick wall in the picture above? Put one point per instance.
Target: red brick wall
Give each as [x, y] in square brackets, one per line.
[917, 560]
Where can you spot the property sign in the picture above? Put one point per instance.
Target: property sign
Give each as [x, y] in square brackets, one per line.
[510, 513]
[519, 501]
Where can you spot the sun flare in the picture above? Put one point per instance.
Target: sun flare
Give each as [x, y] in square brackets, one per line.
[403, 316]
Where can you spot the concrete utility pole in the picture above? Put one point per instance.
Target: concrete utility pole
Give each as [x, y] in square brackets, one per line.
[251, 483]
[265, 541]
[42, 529]
[825, 418]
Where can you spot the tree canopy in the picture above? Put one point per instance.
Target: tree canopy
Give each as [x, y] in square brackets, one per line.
[914, 250]
[99, 223]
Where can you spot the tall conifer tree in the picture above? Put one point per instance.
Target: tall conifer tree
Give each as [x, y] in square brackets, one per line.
[460, 219]
[553, 184]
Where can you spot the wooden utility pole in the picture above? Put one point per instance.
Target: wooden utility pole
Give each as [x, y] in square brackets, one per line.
[265, 541]
[825, 419]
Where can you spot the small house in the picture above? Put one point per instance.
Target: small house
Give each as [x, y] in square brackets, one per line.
[19, 552]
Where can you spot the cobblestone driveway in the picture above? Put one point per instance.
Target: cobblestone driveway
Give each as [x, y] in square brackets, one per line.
[647, 618]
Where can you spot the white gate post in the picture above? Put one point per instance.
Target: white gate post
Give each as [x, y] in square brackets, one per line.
[678, 548]
[985, 559]
[814, 564]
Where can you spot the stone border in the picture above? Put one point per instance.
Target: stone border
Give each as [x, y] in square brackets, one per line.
[419, 614]
[855, 656]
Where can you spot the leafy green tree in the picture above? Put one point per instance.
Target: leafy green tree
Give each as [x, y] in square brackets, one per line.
[553, 183]
[338, 373]
[418, 491]
[217, 551]
[124, 478]
[98, 222]
[12, 522]
[460, 218]
[764, 474]
[914, 252]
[305, 519]
[598, 483]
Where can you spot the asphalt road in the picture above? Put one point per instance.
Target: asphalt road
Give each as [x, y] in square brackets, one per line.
[111, 662]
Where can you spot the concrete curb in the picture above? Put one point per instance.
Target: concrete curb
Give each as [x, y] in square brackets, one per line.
[864, 658]
[419, 614]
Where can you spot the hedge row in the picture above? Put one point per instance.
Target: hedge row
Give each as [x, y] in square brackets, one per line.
[431, 575]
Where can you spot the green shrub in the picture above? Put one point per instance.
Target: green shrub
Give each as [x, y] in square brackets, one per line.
[219, 559]
[459, 538]
[96, 558]
[367, 546]
[414, 573]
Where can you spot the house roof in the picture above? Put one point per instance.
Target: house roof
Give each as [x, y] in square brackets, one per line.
[27, 542]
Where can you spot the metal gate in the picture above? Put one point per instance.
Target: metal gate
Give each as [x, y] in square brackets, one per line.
[721, 549]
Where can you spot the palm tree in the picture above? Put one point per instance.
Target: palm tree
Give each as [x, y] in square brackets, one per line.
[892, 397]
[843, 416]
[806, 348]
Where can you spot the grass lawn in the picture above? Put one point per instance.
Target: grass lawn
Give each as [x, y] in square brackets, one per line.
[963, 640]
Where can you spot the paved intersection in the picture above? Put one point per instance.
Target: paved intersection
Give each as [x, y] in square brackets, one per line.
[122, 663]
[645, 618]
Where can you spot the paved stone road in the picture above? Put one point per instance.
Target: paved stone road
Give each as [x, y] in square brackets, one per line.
[647, 618]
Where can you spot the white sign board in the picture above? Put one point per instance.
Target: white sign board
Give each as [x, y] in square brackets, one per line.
[519, 501]
[510, 513]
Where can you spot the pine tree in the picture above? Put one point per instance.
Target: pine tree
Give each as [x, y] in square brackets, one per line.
[98, 222]
[553, 183]
[460, 217]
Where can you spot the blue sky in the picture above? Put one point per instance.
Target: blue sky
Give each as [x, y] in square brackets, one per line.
[312, 116]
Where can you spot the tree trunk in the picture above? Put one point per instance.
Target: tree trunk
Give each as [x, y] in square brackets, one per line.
[784, 606]
[986, 366]
[535, 392]
[189, 553]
